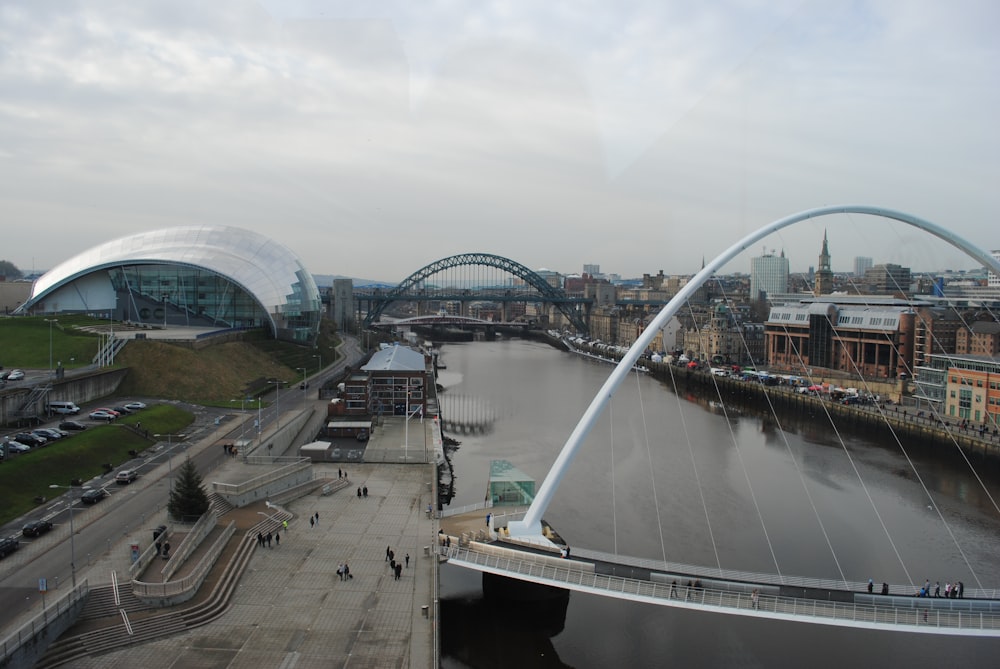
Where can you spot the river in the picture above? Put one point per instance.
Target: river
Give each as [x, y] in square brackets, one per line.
[673, 477]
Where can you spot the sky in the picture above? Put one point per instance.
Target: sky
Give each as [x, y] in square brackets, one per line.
[640, 136]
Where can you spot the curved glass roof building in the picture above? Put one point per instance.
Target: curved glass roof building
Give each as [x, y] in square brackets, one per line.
[198, 275]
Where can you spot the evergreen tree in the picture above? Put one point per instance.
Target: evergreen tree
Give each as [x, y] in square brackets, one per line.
[9, 270]
[188, 499]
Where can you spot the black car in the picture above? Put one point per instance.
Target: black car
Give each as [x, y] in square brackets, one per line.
[36, 528]
[93, 496]
[72, 425]
[30, 439]
[8, 545]
[122, 410]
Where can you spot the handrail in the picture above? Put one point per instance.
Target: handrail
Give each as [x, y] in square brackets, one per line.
[263, 479]
[192, 580]
[911, 618]
[39, 622]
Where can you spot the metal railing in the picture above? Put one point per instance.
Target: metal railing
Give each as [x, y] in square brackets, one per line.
[910, 618]
[191, 581]
[231, 489]
[26, 632]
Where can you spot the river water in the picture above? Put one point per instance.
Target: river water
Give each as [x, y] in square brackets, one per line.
[671, 476]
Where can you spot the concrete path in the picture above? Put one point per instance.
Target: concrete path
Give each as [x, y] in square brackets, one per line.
[291, 610]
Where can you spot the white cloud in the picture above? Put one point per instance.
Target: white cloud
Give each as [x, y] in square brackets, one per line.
[642, 136]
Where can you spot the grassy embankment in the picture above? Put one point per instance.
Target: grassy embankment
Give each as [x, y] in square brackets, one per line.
[214, 375]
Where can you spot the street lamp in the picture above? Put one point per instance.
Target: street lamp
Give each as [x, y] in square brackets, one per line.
[243, 421]
[50, 321]
[170, 458]
[303, 370]
[319, 362]
[72, 544]
[277, 403]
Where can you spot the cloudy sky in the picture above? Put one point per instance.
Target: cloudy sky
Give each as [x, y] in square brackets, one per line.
[374, 140]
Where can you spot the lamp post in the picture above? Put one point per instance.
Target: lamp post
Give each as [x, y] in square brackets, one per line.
[259, 426]
[170, 458]
[243, 421]
[72, 544]
[303, 370]
[50, 321]
[277, 403]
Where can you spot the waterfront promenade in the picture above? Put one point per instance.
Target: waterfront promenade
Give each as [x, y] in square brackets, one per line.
[291, 608]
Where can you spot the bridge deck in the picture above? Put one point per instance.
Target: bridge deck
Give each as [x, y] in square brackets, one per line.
[968, 617]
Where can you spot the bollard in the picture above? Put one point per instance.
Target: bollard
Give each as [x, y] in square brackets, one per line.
[425, 610]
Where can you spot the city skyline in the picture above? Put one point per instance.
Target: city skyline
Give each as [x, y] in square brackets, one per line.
[375, 141]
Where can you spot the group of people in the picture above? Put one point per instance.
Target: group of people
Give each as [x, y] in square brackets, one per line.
[363, 492]
[265, 539]
[396, 568]
[954, 590]
[344, 572]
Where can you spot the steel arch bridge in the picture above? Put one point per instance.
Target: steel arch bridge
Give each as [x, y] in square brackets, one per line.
[413, 288]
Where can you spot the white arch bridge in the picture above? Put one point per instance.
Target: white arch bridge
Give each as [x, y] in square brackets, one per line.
[527, 554]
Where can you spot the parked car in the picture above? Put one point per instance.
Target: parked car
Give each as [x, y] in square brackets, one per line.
[109, 410]
[122, 411]
[8, 545]
[135, 406]
[72, 425]
[94, 495]
[30, 439]
[17, 447]
[126, 476]
[47, 433]
[36, 528]
[15, 375]
[101, 415]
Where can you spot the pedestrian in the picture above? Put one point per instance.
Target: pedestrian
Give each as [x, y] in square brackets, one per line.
[317, 517]
[225, 449]
[388, 552]
[340, 474]
[961, 590]
[871, 586]
[340, 571]
[359, 493]
[885, 588]
[277, 539]
[755, 599]
[365, 491]
[345, 473]
[488, 516]
[399, 571]
[937, 588]
[260, 539]
[268, 538]
[392, 564]
[284, 525]
[347, 572]
[407, 558]
[673, 589]
[312, 521]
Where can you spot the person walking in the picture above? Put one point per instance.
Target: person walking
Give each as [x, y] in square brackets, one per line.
[407, 558]
[312, 521]
[755, 599]
[347, 572]
[317, 517]
[284, 525]
[340, 571]
[277, 539]
[268, 537]
[359, 493]
[260, 539]
[388, 552]
[365, 491]
[399, 571]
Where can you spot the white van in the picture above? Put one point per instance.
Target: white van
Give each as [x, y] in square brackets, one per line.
[63, 408]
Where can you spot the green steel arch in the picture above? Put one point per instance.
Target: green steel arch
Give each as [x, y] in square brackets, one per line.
[549, 294]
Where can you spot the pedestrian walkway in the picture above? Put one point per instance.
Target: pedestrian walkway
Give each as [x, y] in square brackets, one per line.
[291, 609]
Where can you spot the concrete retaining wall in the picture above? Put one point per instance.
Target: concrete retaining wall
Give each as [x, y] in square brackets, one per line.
[80, 389]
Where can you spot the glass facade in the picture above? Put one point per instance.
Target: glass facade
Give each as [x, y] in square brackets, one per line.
[195, 275]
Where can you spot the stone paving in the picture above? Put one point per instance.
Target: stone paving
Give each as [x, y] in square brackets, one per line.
[291, 610]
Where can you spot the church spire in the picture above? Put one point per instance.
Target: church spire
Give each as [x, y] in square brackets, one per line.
[823, 284]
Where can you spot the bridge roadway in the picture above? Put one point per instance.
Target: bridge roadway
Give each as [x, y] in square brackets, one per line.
[786, 598]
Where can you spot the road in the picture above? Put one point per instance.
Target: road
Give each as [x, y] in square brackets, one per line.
[130, 509]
